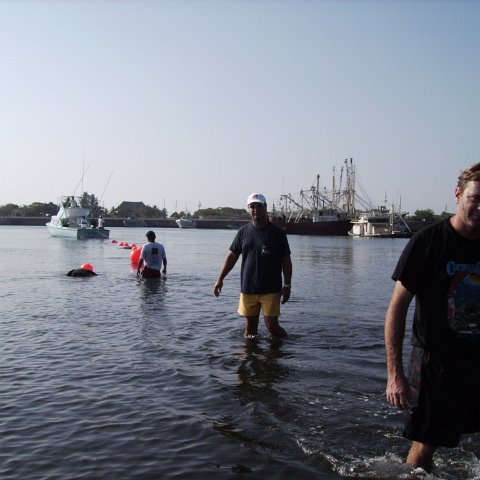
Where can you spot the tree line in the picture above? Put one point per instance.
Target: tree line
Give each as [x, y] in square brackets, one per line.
[39, 209]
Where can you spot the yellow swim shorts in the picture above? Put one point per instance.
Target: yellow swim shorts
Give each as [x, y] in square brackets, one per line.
[267, 303]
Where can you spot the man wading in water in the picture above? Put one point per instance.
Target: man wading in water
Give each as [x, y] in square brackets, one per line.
[265, 256]
[440, 268]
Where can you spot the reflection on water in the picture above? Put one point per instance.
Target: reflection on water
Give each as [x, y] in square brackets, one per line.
[153, 291]
[260, 368]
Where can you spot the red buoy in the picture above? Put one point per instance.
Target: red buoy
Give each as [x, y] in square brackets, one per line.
[135, 256]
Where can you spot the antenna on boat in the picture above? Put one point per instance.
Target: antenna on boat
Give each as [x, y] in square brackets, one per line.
[106, 185]
[83, 165]
[334, 197]
[81, 180]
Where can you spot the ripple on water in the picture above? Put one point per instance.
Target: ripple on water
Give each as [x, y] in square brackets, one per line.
[115, 377]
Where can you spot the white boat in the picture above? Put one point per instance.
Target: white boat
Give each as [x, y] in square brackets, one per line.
[380, 222]
[133, 221]
[185, 222]
[74, 221]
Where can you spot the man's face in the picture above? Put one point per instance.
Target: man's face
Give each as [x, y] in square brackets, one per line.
[468, 207]
[257, 211]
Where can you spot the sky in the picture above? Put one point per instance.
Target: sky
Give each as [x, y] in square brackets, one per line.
[187, 103]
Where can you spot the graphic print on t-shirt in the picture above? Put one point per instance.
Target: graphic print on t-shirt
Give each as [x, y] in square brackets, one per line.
[464, 300]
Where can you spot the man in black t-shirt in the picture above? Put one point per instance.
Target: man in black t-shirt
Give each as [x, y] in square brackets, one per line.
[265, 257]
[440, 267]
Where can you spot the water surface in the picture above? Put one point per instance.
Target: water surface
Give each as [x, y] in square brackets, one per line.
[112, 377]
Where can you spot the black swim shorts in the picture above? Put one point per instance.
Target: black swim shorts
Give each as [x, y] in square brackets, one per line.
[150, 273]
[446, 403]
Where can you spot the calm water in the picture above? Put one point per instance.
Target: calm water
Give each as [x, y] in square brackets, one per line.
[114, 378]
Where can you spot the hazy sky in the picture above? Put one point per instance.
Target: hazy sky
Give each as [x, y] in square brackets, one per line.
[208, 101]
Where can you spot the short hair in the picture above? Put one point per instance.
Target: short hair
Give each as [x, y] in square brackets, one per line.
[470, 174]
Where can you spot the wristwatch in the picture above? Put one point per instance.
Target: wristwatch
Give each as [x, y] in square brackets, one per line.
[287, 285]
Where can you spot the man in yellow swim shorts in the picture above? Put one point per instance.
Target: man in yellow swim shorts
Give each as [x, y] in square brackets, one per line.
[265, 257]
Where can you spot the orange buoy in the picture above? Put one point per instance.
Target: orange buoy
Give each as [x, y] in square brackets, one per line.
[86, 266]
[135, 255]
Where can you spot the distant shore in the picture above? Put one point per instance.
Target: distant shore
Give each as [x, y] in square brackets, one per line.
[119, 222]
[212, 224]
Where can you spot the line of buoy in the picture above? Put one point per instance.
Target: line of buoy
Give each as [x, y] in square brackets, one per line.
[86, 269]
[134, 255]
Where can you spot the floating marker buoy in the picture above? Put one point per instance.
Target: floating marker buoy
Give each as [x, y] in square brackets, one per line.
[114, 241]
[135, 255]
[85, 270]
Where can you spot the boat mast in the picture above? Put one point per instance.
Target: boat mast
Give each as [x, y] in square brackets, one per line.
[351, 189]
[83, 165]
[81, 180]
[341, 193]
[334, 192]
[106, 185]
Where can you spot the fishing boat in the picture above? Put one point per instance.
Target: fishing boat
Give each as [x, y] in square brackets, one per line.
[318, 211]
[380, 222]
[317, 223]
[186, 222]
[74, 221]
[322, 211]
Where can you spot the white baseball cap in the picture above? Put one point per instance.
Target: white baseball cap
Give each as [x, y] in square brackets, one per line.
[256, 198]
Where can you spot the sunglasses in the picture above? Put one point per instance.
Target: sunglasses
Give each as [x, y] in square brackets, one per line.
[256, 205]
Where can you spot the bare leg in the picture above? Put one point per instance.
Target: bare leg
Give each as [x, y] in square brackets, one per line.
[421, 455]
[274, 327]
[251, 325]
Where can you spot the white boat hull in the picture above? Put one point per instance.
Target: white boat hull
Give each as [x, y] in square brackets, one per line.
[385, 224]
[186, 223]
[73, 221]
[78, 233]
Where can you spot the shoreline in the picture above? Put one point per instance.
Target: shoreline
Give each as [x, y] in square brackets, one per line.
[212, 224]
[119, 222]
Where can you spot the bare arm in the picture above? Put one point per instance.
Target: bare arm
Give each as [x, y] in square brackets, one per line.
[287, 277]
[139, 266]
[228, 264]
[398, 390]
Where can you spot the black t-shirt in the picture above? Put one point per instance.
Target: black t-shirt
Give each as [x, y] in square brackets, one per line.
[262, 250]
[442, 269]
